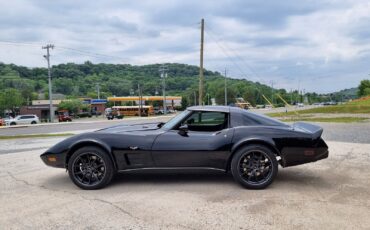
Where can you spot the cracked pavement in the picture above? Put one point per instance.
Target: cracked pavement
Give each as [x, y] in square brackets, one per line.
[332, 194]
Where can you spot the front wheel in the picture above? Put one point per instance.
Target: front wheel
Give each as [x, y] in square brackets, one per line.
[90, 168]
[254, 166]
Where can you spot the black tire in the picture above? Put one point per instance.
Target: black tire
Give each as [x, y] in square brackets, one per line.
[254, 166]
[13, 123]
[94, 165]
[33, 122]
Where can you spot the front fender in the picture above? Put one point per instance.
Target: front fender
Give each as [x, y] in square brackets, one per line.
[89, 142]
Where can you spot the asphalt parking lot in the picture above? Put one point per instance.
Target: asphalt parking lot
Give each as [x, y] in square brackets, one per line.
[330, 194]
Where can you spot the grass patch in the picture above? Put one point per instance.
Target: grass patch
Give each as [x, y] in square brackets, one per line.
[325, 119]
[360, 106]
[35, 136]
[347, 108]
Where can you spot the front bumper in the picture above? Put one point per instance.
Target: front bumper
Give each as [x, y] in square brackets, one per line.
[54, 160]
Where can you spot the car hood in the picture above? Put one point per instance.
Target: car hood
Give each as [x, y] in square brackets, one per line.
[130, 128]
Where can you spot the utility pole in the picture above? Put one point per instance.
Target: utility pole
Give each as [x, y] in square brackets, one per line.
[47, 57]
[98, 89]
[201, 77]
[163, 70]
[225, 88]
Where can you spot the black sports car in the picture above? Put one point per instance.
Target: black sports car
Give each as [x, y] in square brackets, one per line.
[211, 137]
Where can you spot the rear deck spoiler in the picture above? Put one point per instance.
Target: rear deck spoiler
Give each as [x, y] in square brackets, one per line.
[314, 130]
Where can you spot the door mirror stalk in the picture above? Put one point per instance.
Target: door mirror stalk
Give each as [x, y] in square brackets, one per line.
[183, 130]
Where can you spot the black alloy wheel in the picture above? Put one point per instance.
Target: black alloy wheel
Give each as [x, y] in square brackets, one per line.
[90, 168]
[254, 167]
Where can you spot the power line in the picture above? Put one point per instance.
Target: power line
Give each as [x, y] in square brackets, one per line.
[236, 55]
[86, 53]
[20, 43]
[227, 55]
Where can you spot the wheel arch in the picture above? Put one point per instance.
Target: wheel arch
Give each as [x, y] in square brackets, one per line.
[252, 141]
[92, 143]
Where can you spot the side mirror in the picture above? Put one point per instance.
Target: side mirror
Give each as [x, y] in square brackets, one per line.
[183, 130]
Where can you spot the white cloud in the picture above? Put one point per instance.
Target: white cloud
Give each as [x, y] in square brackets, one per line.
[265, 41]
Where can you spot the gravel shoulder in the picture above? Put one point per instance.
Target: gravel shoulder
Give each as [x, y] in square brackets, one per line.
[330, 194]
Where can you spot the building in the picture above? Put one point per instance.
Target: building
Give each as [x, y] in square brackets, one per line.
[39, 108]
[97, 105]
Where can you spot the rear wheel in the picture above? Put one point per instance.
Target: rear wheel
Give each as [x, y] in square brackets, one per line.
[13, 123]
[33, 122]
[254, 166]
[90, 168]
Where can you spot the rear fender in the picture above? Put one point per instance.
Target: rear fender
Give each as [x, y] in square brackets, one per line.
[249, 141]
[256, 140]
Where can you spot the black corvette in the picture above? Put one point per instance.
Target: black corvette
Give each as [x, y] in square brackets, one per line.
[212, 137]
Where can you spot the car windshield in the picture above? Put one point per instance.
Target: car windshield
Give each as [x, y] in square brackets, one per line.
[171, 123]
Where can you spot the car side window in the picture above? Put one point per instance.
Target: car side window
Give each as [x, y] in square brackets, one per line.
[206, 121]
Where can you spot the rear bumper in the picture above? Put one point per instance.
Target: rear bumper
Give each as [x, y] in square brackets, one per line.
[53, 160]
[301, 155]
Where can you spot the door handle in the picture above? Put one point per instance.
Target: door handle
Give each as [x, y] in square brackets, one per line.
[216, 133]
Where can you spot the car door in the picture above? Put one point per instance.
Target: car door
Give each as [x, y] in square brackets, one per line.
[22, 120]
[205, 144]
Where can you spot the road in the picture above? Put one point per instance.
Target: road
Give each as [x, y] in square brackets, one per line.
[330, 194]
[75, 126]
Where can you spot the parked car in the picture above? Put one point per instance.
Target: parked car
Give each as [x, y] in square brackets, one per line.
[63, 116]
[111, 114]
[159, 112]
[2, 122]
[223, 138]
[23, 119]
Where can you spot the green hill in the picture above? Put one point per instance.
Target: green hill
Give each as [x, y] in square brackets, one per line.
[81, 80]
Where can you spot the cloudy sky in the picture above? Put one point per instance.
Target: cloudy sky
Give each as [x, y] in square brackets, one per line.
[320, 46]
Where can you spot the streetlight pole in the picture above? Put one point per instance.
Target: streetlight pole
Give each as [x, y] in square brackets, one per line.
[47, 57]
[139, 93]
[164, 94]
[132, 94]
